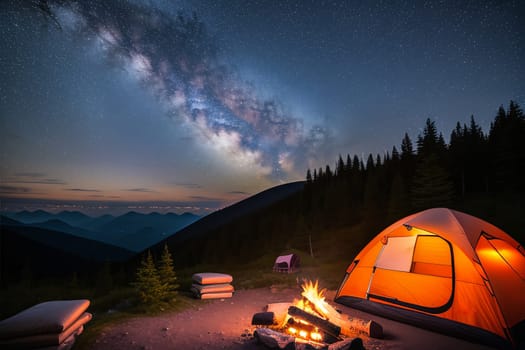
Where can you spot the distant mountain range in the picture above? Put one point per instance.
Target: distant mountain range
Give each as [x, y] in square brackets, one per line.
[80, 246]
[132, 231]
[56, 245]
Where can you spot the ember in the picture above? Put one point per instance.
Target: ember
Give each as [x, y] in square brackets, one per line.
[303, 330]
[312, 320]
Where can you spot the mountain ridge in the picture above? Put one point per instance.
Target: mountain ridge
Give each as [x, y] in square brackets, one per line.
[132, 230]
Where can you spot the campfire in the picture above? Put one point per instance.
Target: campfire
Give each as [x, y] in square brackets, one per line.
[310, 320]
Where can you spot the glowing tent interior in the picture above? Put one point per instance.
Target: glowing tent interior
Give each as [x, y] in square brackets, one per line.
[444, 270]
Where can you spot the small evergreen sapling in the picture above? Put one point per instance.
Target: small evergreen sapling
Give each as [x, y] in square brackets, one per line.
[167, 275]
[148, 284]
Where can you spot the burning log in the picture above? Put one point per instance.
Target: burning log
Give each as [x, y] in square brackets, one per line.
[311, 323]
[309, 332]
[349, 325]
[293, 324]
[280, 311]
[324, 325]
[352, 325]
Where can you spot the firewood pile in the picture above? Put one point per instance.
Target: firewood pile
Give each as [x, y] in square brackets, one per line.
[311, 323]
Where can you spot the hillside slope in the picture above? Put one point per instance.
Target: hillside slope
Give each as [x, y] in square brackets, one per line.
[216, 219]
[46, 253]
[224, 216]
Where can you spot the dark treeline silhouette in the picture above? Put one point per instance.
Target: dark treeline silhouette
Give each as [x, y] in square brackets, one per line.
[344, 205]
[435, 174]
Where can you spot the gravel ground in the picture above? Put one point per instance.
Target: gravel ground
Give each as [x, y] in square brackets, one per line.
[226, 324]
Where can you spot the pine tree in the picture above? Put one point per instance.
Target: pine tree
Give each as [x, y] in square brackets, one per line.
[408, 161]
[340, 167]
[457, 155]
[167, 275]
[386, 158]
[407, 150]
[148, 285]
[508, 149]
[476, 175]
[441, 144]
[395, 154]
[328, 172]
[370, 163]
[348, 165]
[356, 165]
[308, 176]
[431, 142]
[515, 111]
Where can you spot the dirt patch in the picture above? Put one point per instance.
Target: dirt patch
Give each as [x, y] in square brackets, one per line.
[213, 324]
[226, 324]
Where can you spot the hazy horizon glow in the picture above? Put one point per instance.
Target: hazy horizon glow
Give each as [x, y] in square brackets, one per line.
[125, 102]
[98, 208]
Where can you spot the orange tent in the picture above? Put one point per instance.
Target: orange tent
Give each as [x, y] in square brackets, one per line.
[442, 269]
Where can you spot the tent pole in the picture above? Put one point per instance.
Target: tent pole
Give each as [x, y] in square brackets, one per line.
[373, 272]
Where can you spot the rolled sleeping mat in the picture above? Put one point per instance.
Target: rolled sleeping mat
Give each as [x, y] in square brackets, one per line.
[211, 278]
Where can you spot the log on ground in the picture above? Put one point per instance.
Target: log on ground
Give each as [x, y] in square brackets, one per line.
[349, 325]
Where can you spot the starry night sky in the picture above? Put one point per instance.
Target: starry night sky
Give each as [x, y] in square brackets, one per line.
[193, 105]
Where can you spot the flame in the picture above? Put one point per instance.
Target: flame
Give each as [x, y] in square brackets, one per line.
[312, 294]
[313, 302]
[316, 336]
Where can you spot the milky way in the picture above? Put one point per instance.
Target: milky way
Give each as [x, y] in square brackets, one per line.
[176, 59]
